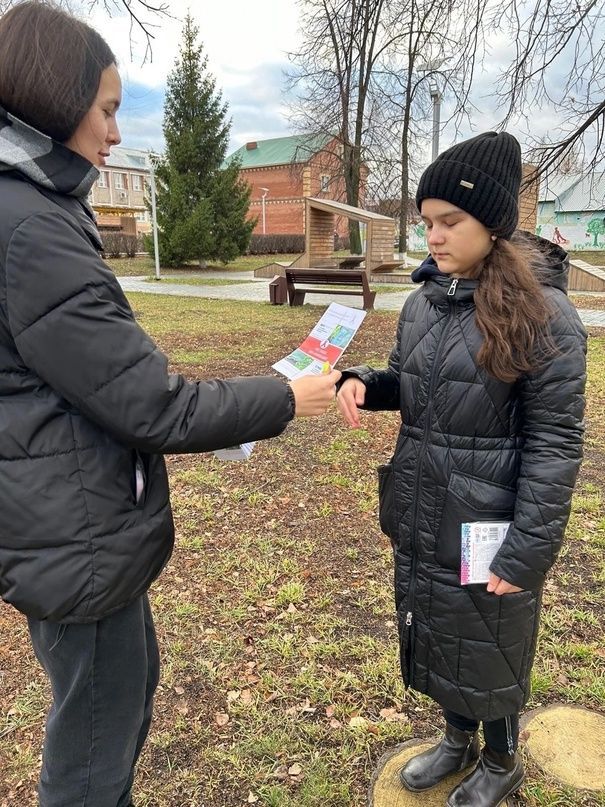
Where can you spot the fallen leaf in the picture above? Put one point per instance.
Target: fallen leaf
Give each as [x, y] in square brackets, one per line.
[295, 769]
[358, 722]
[233, 695]
[179, 690]
[221, 718]
[252, 799]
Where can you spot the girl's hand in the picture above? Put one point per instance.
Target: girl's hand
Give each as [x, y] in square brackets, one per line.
[497, 585]
[350, 396]
[314, 393]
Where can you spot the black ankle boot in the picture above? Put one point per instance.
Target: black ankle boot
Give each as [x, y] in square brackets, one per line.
[454, 753]
[495, 778]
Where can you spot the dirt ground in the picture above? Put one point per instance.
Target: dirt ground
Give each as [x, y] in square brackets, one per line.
[280, 684]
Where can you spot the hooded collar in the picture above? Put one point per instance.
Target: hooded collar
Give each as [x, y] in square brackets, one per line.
[442, 289]
[551, 267]
[552, 263]
[42, 160]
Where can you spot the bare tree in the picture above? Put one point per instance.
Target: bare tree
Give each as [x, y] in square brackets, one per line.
[343, 40]
[560, 61]
[438, 53]
[363, 75]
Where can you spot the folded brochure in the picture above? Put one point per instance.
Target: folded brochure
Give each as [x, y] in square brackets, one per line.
[320, 350]
[480, 540]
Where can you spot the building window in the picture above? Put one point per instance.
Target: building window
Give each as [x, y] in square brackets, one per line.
[119, 181]
[137, 182]
[324, 182]
[102, 180]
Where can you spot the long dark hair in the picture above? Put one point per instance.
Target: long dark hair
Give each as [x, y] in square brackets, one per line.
[50, 67]
[512, 312]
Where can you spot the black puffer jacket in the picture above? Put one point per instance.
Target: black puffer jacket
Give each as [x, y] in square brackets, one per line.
[84, 392]
[472, 448]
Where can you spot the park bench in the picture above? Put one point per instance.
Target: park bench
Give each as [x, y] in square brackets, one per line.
[388, 266]
[323, 281]
[350, 261]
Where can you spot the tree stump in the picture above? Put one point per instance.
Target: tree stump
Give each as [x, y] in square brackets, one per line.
[568, 744]
[386, 789]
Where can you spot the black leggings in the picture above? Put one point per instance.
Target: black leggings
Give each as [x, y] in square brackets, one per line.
[500, 735]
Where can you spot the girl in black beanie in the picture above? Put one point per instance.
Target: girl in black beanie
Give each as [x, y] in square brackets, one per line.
[488, 372]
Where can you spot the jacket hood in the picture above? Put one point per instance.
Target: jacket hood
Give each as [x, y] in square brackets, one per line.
[42, 160]
[551, 265]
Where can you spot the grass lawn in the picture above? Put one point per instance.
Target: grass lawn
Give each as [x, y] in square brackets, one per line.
[144, 265]
[197, 280]
[280, 683]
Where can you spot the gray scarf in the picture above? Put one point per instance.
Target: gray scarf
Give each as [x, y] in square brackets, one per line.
[43, 160]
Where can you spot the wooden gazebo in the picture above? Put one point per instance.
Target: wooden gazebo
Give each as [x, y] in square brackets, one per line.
[319, 234]
[320, 217]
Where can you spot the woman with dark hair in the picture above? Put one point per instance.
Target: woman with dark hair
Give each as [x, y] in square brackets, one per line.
[488, 372]
[87, 410]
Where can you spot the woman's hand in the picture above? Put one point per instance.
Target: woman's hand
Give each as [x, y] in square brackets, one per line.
[314, 393]
[497, 585]
[351, 395]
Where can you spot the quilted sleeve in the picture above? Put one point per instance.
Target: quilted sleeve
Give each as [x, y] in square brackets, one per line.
[382, 386]
[552, 401]
[73, 327]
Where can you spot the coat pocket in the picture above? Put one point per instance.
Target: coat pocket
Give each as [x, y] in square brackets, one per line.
[386, 501]
[468, 499]
[140, 473]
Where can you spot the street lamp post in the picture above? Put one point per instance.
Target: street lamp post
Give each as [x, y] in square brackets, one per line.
[154, 220]
[266, 191]
[436, 99]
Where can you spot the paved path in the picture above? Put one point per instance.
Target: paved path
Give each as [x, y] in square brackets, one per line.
[254, 289]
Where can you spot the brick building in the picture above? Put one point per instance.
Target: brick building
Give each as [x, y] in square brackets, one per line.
[118, 196]
[285, 170]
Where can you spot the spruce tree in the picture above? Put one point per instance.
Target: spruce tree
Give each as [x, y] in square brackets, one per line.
[201, 206]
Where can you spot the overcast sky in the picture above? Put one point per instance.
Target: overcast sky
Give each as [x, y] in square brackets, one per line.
[247, 45]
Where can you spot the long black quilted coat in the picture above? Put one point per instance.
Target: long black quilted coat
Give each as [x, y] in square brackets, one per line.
[472, 448]
[84, 393]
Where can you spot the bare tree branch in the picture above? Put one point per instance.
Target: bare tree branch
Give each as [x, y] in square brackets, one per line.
[141, 14]
[559, 61]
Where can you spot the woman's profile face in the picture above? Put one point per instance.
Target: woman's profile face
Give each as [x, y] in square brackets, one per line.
[98, 130]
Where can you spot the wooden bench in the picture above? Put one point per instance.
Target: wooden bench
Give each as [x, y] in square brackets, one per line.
[388, 266]
[351, 261]
[355, 281]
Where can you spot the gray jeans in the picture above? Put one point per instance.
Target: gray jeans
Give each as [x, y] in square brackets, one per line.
[103, 676]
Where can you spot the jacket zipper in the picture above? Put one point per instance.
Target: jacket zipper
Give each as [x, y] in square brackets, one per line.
[409, 617]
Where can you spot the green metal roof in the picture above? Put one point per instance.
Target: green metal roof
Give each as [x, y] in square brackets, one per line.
[280, 150]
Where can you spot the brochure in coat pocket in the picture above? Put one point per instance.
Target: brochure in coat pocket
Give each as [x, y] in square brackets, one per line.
[480, 542]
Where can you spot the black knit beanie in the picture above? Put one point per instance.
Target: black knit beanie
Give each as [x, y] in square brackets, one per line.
[481, 176]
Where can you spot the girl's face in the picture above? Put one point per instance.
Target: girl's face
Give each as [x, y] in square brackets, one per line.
[456, 240]
[98, 131]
